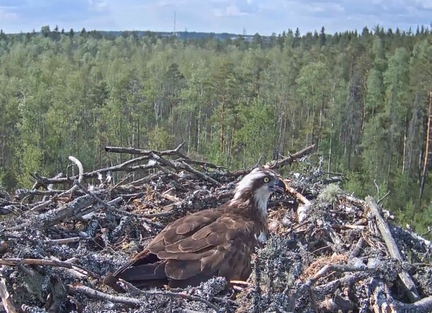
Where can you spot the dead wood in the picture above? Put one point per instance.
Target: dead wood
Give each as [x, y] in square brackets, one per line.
[8, 304]
[392, 247]
[104, 296]
[328, 250]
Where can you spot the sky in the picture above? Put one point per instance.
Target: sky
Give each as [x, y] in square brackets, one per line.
[234, 16]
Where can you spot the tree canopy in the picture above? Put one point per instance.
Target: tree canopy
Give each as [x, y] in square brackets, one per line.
[362, 98]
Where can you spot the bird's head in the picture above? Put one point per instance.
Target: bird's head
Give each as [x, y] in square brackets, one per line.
[259, 184]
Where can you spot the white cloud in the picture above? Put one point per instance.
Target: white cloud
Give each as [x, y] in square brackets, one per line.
[97, 5]
[7, 15]
[165, 3]
[426, 4]
[230, 11]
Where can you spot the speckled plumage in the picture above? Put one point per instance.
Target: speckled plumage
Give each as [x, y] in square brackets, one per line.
[208, 243]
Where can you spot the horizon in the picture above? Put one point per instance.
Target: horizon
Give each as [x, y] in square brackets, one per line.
[76, 30]
[264, 17]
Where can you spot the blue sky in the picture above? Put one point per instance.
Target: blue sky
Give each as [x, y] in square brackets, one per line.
[262, 16]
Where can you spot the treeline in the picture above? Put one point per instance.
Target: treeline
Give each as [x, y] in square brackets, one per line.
[362, 98]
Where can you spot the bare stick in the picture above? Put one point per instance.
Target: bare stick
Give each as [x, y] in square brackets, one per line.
[80, 171]
[421, 306]
[339, 268]
[70, 191]
[62, 241]
[99, 200]
[167, 171]
[74, 208]
[200, 163]
[21, 193]
[19, 261]
[296, 194]
[72, 271]
[276, 164]
[170, 294]
[392, 247]
[39, 181]
[125, 166]
[288, 160]
[92, 293]
[143, 151]
[55, 216]
[302, 210]
[188, 168]
[8, 304]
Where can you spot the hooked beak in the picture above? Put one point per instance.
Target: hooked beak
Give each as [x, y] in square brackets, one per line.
[278, 186]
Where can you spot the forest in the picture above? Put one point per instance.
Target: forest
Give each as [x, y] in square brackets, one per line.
[361, 98]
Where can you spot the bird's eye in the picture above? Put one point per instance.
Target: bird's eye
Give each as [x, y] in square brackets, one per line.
[266, 179]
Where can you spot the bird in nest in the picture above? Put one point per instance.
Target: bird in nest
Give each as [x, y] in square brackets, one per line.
[212, 242]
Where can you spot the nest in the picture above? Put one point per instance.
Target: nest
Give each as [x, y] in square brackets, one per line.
[328, 251]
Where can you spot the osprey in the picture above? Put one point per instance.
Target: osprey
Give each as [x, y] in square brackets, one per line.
[208, 243]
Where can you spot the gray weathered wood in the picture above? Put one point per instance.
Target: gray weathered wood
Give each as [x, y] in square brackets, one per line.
[392, 247]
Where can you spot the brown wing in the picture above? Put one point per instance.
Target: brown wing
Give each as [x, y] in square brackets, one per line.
[193, 249]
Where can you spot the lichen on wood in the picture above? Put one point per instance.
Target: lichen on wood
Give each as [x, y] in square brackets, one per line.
[328, 251]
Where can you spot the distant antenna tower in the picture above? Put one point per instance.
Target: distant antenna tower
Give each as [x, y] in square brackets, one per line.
[175, 18]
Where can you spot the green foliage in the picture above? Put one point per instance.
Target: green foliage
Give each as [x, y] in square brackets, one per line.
[256, 137]
[354, 184]
[160, 139]
[362, 99]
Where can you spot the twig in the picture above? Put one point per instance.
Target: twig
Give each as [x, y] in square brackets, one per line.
[62, 241]
[21, 193]
[8, 304]
[356, 250]
[259, 161]
[302, 210]
[170, 294]
[167, 171]
[19, 261]
[295, 193]
[188, 168]
[92, 293]
[383, 197]
[392, 247]
[70, 270]
[143, 151]
[39, 181]
[200, 163]
[276, 164]
[70, 191]
[377, 187]
[125, 166]
[91, 194]
[61, 214]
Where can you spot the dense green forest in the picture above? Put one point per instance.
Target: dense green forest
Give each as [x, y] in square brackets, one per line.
[362, 98]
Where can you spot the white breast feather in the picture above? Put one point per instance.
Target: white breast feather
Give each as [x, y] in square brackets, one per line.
[261, 198]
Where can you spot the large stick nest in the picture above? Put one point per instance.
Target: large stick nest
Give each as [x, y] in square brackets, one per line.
[328, 252]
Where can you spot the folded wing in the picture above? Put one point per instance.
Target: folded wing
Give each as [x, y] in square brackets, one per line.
[194, 249]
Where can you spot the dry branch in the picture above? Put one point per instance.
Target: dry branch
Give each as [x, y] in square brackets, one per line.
[421, 306]
[103, 296]
[18, 261]
[8, 304]
[325, 251]
[392, 247]
[276, 164]
[146, 152]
